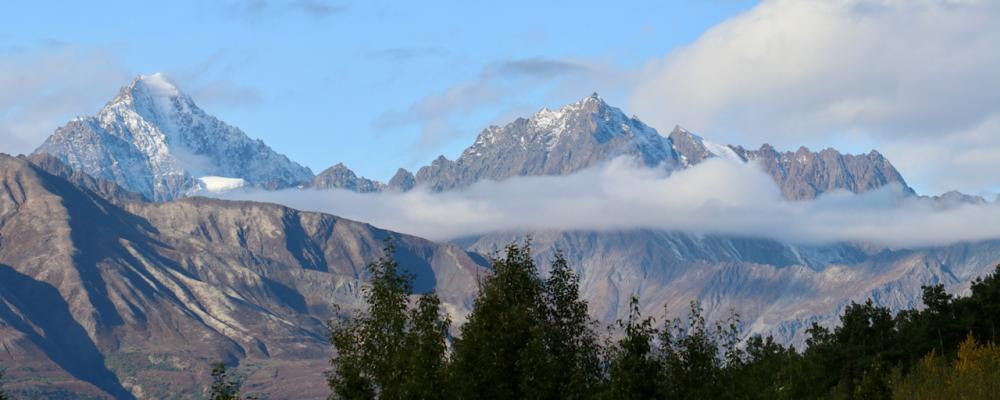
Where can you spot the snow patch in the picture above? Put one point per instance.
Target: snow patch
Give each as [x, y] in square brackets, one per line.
[220, 184]
[722, 151]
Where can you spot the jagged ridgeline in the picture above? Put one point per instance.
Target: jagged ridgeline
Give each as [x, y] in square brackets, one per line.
[114, 281]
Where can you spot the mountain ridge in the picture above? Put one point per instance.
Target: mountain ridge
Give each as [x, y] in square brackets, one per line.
[133, 299]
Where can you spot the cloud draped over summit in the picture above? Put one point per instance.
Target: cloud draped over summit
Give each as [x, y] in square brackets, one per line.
[715, 197]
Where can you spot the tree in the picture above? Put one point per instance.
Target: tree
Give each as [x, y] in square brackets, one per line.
[349, 378]
[571, 341]
[389, 351]
[981, 310]
[690, 353]
[223, 386]
[974, 374]
[501, 352]
[768, 371]
[634, 369]
[424, 352]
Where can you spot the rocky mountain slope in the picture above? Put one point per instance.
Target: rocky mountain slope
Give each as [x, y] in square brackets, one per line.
[590, 132]
[776, 288]
[556, 142]
[132, 299]
[154, 140]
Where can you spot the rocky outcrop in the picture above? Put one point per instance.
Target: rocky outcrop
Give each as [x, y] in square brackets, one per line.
[341, 177]
[559, 142]
[402, 181]
[804, 174]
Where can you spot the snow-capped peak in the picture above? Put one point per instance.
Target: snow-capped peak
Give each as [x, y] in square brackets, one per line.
[161, 141]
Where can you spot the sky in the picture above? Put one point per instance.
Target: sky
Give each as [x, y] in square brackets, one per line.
[379, 85]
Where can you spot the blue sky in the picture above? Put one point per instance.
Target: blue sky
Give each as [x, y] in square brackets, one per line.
[378, 85]
[318, 81]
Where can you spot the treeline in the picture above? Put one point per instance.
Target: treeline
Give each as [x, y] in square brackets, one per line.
[532, 338]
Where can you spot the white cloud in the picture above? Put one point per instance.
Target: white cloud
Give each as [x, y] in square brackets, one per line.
[715, 197]
[794, 72]
[44, 88]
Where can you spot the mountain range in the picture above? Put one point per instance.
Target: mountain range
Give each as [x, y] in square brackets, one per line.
[117, 282]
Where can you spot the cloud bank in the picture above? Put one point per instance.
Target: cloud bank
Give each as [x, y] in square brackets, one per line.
[715, 197]
[896, 75]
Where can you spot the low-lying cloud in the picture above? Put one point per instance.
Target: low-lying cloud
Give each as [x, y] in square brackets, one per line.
[715, 197]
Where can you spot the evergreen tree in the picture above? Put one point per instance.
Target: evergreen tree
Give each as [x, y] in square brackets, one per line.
[634, 370]
[690, 357]
[379, 351]
[501, 351]
[769, 370]
[571, 341]
[424, 354]
[864, 338]
[223, 386]
[981, 310]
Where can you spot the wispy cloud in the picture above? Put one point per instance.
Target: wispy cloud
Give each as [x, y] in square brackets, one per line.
[494, 83]
[212, 84]
[40, 92]
[401, 54]
[318, 8]
[255, 9]
[715, 197]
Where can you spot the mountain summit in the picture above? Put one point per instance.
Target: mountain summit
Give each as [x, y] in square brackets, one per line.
[154, 140]
[551, 142]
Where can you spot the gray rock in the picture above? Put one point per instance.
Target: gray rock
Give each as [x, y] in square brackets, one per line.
[341, 177]
[804, 174]
[402, 181]
[559, 142]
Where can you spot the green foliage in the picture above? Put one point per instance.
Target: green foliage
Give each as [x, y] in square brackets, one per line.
[223, 386]
[633, 367]
[532, 338]
[390, 351]
[570, 338]
[424, 351]
[501, 352]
